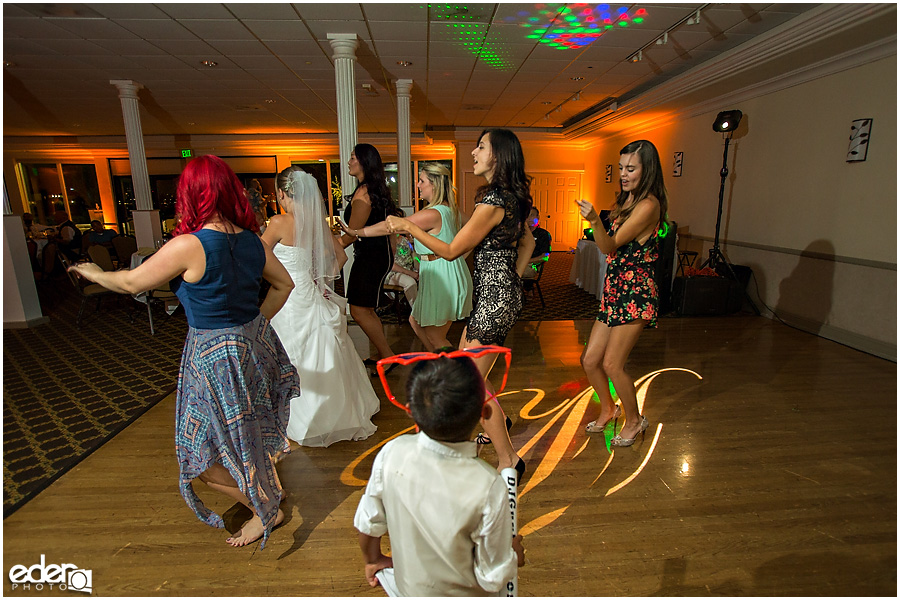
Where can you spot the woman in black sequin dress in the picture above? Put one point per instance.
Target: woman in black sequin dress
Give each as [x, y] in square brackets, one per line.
[373, 257]
[630, 299]
[502, 252]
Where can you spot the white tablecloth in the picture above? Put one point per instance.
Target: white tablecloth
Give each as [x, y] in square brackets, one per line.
[136, 259]
[589, 268]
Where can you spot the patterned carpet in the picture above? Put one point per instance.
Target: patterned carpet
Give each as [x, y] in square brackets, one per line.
[66, 390]
[563, 301]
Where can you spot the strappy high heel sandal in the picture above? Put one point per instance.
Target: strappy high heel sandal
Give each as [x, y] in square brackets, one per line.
[621, 442]
[483, 439]
[594, 427]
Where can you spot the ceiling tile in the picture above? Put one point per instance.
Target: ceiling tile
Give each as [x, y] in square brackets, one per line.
[309, 49]
[340, 11]
[399, 31]
[195, 10]
[321, 29]
[129, 10]
[391, 11]
[13, 11]
[130, 47]
[256, 62]
[292, 30]
[14, 46]
[35, 29]
[262, 10]
[192, 46]
[157, 29]
[102, 29]
[219, 29]
[302, 64]
[239, 48]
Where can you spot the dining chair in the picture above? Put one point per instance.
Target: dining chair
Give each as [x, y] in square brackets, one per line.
[100, 256]
[397, 299]
[86, 292]
[534, 283]
[125, 246]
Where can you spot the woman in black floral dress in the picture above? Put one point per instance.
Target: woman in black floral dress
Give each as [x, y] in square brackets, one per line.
[502, 252]
[630, 299]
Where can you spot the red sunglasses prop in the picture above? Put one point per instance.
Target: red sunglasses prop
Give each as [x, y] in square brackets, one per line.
[414, 357]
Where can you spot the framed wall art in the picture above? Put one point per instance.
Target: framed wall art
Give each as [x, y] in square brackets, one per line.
[679, 161]
[859, 140]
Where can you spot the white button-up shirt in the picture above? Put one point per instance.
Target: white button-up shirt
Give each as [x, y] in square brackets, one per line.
[447, 513]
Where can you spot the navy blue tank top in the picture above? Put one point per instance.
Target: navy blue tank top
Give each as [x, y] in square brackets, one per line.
[228, 292]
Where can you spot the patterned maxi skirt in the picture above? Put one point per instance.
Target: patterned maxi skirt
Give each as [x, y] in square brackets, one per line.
[232, 407]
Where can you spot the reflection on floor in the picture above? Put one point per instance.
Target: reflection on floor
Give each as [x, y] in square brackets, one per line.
[749, 481]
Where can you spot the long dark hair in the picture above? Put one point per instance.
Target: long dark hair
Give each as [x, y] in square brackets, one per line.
[207, 187]
[509, 171]
[651, 183]
[375, 180]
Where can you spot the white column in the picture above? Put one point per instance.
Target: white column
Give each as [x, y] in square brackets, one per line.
[344, 47]
[21, 307]
[404, 155]
[147, 228]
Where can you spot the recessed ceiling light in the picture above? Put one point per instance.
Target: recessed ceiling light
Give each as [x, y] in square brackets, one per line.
[270, 102]
[576, 78]
[546, 102]
[208, 63]
[404, 63]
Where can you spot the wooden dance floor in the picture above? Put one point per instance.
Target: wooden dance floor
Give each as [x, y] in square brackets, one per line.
[769, 468]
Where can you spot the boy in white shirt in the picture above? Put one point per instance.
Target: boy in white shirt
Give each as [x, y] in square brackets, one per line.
[447, 511]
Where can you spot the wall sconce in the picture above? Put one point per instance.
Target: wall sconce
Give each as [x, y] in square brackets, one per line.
[663, 40]
[636, 57]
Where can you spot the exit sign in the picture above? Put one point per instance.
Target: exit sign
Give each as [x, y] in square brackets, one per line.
[186, 153]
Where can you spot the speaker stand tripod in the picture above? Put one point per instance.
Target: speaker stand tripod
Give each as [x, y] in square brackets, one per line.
[716, 258]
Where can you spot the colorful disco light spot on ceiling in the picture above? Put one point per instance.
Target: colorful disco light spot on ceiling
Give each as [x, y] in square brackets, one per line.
[469, 34]
[564, 27]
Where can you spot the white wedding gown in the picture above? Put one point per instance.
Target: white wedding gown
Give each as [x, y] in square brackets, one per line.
[336, 399]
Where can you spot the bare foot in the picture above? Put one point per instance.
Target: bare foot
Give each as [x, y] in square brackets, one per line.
[252, 530]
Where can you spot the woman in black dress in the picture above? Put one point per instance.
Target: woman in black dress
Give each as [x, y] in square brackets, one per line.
[372, 256]
[630, 300]
[502, 254]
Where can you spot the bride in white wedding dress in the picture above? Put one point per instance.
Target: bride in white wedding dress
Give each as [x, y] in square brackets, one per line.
[337, 400]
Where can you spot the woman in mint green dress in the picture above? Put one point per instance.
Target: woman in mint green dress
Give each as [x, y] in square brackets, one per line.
[445, 286]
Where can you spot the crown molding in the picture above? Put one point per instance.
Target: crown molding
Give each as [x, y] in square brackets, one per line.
[811, 27]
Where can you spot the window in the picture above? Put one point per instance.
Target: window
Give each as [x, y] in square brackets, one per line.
[52, 187]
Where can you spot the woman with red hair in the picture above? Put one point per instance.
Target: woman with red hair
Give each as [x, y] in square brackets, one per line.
[236, 380]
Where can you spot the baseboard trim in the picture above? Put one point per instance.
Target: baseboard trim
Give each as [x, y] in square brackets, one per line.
[844, 337]
[850, 260]
[26, 324]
